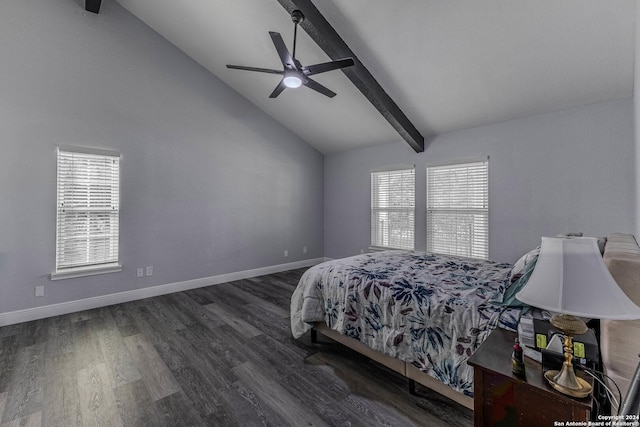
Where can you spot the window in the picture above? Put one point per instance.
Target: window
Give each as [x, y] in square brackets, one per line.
[393, 208]
[88, 199]
[458, 209]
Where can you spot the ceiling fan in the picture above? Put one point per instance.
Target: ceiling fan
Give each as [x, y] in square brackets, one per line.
[294, 74]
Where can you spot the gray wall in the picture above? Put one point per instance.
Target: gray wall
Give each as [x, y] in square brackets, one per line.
[210, 184]
[571, 170]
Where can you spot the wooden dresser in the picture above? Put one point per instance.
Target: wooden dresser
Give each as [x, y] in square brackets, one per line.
[501, 399]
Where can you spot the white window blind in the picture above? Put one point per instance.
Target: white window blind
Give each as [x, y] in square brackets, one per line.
[393, 208]
[88, 197]
[458, 209]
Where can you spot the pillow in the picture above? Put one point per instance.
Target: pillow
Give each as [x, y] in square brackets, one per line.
[509, 297]
[570, 235]
[521, 265]
[602, 242]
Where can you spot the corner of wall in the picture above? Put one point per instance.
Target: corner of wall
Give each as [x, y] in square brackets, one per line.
[636, 119]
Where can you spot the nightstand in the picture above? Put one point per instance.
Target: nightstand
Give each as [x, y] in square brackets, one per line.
[502, 399]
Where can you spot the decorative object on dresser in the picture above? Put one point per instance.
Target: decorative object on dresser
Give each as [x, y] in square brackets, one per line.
[571, 279]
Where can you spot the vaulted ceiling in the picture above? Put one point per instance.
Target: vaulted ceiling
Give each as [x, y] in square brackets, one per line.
[448, 64]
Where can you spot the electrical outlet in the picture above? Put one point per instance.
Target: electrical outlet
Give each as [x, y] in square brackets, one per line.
[149, 271]
[39, 291]
[140, 272]
[286, 253]
[304, 249]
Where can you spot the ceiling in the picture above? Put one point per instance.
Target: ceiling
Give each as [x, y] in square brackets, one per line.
[448, 64]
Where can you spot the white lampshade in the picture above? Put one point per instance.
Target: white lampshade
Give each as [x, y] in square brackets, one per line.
[570, 277]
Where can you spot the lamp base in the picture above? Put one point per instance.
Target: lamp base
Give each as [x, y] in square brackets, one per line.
[565, 380]
[583, 391]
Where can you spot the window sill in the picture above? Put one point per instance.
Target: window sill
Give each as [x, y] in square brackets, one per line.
[387, 248]
[72, 273]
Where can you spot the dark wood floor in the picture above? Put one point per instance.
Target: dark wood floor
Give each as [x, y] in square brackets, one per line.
[216, 356]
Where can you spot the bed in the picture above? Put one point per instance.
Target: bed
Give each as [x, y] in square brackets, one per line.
[420, 314]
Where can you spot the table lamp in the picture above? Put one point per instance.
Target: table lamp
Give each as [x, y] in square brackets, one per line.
[571, 279]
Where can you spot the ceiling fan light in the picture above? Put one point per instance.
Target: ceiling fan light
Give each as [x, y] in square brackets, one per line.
[292, 81]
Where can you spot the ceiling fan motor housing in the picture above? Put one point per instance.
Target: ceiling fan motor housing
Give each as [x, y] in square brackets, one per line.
[297, 17]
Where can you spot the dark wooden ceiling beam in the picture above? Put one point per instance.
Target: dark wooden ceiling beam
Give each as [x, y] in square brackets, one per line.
[330, 41]
[92, 5]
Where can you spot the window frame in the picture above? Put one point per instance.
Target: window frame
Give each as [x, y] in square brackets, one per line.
[377, 242]
[107, 213]
[475, 217]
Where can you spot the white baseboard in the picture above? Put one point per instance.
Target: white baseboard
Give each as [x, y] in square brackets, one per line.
[42, 312]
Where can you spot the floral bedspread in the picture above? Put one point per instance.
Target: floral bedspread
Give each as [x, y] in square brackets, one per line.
[431, 310]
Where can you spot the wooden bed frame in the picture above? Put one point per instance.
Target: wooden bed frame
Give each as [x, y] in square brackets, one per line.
[622, 257]
[403, 368]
